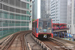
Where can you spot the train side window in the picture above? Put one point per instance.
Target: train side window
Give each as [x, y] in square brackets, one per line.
[36, 24]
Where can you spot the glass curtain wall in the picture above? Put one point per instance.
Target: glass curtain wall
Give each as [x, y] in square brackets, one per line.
[14, 16]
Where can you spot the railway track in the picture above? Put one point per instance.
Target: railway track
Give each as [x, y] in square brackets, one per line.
[71, 42]
[31, 43]
[21, 41]
[53, 46]
[26, 41]
[58, 44]
[66, 43]
[62, 44]
[3, 40]
[16, 41]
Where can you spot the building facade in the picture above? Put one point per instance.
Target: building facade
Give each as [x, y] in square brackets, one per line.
[15, 15]
[58, 10]
[41, 9]
[45, 8]
[34, 9]
[71, 16]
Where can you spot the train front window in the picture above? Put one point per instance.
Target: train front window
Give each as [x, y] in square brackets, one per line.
[44, 24]
[49, 24]
[40, 25]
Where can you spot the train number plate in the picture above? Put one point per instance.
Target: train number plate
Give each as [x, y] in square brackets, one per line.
[45, 36]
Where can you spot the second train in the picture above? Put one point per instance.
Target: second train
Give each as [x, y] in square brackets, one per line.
[42, 28]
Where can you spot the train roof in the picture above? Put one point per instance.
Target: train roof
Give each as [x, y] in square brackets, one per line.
[44, 19]
[36, 20]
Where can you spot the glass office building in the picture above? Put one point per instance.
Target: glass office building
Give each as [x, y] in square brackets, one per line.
[41, 9]
[45, 8]
[15, 15]
[71, 16]
[58, 10]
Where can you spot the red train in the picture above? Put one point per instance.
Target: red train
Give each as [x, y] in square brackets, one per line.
[59, 26]
[60, 30]
[42, 28]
